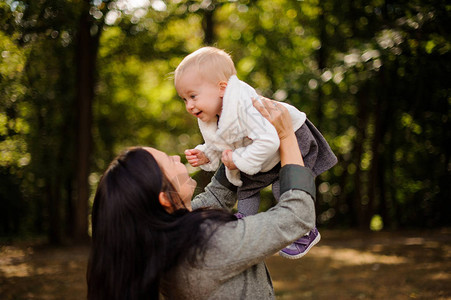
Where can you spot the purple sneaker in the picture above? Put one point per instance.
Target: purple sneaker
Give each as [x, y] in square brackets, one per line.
[300, 247]
[239, 215]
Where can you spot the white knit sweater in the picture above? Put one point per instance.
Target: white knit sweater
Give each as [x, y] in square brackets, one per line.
[243, 129]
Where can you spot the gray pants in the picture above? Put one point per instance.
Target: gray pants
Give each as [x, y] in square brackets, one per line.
[250, 206]
[317, 156]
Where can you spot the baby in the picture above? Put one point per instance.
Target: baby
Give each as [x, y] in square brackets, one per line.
[236, 134]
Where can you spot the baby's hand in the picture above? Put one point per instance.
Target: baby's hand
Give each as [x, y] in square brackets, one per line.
[228, 160]
[196, 157]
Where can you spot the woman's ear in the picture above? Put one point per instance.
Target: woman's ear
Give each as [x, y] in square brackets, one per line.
[165, 202]
[222, 87]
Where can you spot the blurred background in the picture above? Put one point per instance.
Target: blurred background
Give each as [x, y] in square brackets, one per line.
[82, 80]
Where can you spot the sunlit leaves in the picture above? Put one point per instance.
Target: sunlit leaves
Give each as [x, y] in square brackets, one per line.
[372, 75]
[13, 126]
[13, 152]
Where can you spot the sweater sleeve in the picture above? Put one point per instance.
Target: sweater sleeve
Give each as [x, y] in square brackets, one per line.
[240, 244]
[212, 155]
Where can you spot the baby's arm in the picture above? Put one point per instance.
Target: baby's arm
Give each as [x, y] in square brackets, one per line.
[196, 158]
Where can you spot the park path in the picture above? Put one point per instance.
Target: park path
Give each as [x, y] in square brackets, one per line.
[344, 265]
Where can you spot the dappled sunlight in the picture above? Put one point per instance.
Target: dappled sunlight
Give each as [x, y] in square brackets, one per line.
[344, 265]
[352, 265]
[439, 276]
[11, 262]
[335, 258]
[42, 272]
[349, 257]
[20, 270]
[16, 262]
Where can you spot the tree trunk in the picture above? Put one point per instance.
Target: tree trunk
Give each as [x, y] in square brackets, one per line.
[208, 24]
[360, 207]
[85, 62]
[322, 63]
[379, 157]
[55, 233]
[373, 182]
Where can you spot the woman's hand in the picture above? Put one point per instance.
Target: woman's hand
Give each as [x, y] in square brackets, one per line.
[276, 114]
[227, 159]
[280, 118]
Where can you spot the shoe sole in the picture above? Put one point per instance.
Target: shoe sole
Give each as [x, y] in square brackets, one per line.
[315, 241]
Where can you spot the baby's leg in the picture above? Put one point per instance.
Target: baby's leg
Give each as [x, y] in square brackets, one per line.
[315, 150]
[249, 206]
[249, 193]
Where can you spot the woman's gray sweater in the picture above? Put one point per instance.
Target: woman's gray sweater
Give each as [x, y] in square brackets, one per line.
[233, 264]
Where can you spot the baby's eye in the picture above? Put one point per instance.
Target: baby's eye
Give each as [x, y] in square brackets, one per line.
[193, 96]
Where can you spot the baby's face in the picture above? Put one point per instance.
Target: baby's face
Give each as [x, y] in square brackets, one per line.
[203, 98]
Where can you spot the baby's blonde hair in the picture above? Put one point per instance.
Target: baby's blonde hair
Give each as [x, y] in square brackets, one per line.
[212, 63]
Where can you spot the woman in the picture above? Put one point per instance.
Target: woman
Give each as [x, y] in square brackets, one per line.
[149, 239]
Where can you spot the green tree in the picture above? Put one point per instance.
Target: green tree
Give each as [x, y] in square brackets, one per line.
[82, 80]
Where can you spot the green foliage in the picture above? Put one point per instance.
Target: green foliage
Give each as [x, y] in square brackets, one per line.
[372, 75]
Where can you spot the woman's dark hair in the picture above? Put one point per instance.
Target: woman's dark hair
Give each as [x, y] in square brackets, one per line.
[134, 239]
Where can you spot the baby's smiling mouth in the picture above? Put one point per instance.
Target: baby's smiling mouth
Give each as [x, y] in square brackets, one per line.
[198, 113]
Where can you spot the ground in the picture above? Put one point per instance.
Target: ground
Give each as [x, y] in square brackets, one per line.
[344, 265]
